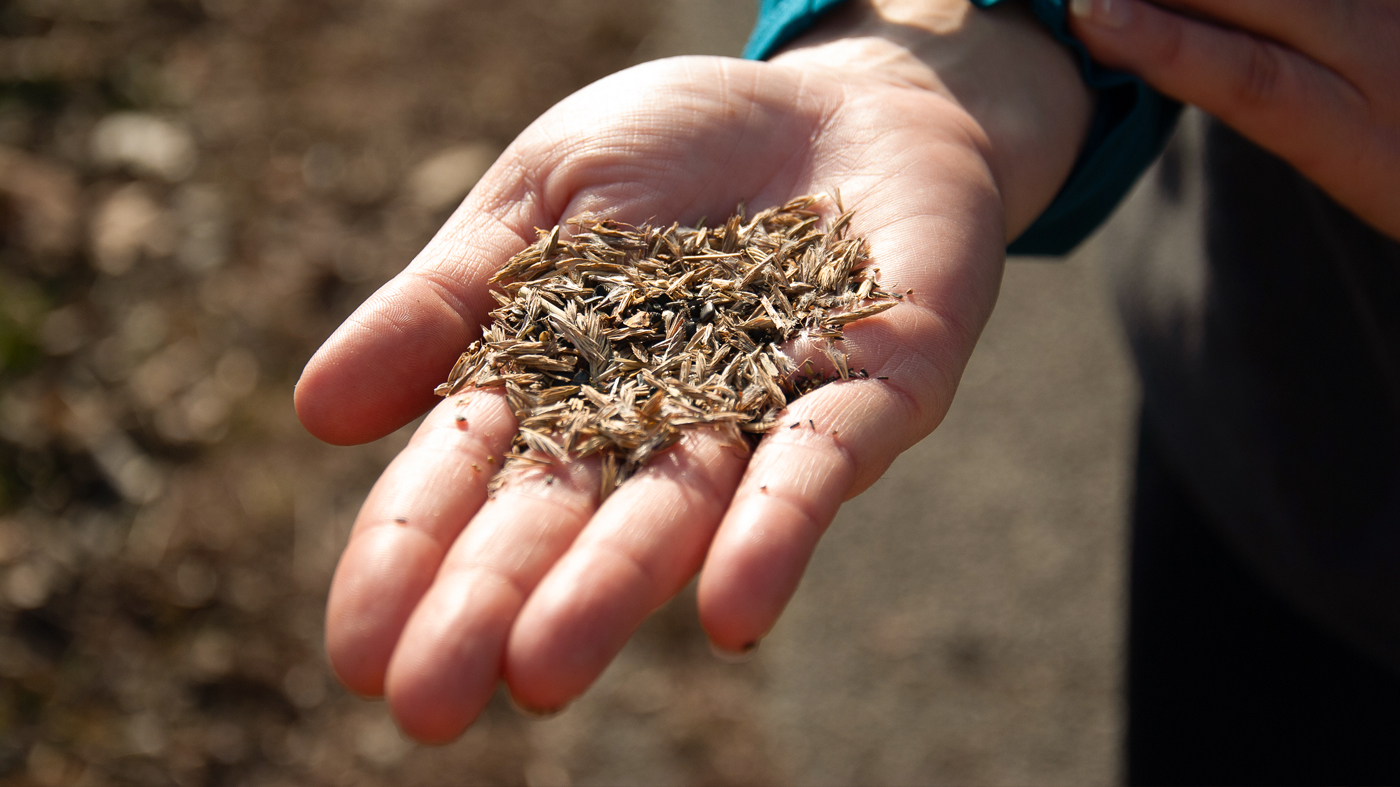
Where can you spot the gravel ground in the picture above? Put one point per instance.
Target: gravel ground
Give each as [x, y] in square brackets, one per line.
[192, 196]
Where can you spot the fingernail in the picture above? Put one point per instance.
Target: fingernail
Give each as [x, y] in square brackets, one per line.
[533, 712]
[1105, 13]
[734, 656]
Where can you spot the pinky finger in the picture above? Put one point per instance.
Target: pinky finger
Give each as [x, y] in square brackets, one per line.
[798, 477]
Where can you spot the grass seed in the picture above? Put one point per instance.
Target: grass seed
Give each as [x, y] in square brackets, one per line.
[616, 339]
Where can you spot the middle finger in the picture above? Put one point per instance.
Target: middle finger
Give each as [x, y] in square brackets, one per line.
[448, 661]
[646, 541]
[402, 533]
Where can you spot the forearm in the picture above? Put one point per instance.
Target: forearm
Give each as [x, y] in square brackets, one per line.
[1028, 108]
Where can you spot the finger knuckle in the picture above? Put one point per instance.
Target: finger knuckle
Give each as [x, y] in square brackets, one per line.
[1170, 48]
[1258, 78]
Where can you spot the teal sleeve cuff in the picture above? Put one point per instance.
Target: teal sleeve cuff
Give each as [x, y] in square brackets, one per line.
[1131, 124]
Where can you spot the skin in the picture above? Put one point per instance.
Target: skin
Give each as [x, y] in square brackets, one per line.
[1315, 82]
[945, 129]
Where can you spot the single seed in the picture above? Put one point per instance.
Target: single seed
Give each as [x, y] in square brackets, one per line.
[398, 520]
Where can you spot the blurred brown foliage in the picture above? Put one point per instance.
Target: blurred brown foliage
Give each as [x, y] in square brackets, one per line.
[192, 196]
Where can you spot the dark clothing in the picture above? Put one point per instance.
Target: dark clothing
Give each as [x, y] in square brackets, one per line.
[1265, 322]
[1227, 683]
[1264, 612]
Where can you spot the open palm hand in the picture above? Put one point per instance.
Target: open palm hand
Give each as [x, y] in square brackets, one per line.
[442, 591]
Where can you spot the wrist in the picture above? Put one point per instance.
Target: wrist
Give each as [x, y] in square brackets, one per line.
[998, 69]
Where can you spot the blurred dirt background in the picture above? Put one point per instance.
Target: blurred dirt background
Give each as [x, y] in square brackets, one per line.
[193, 194]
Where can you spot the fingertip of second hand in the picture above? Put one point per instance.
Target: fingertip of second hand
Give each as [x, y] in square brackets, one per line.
[1102, 13]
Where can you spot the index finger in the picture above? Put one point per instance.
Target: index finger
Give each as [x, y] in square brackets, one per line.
[1323, 31]
[1278, 97]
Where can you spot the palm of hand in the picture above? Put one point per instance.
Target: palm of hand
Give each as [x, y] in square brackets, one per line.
[441, 592]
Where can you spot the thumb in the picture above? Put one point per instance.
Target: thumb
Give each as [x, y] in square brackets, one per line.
[378, 370]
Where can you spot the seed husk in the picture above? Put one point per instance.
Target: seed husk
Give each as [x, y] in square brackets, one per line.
[614, 339]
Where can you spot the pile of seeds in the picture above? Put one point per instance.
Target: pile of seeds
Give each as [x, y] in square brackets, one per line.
[615, 340]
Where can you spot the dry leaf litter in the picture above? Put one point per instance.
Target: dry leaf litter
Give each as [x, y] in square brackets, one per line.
[617, 339]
